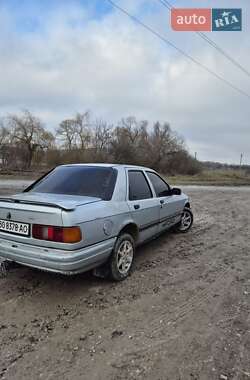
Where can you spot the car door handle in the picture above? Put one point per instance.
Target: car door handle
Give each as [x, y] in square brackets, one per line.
[136, 207]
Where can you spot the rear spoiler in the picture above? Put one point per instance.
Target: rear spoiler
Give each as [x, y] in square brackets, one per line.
[12, 200]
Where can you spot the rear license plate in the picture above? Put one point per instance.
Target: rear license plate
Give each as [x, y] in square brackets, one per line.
[14, 227]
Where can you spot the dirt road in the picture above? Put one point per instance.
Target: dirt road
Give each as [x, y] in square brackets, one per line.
[183, 313]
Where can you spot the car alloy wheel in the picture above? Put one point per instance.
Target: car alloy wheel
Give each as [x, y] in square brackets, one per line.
[121, 260]
[186, 220]
[125, 256]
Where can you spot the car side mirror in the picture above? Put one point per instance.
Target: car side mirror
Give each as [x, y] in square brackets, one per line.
[165, 193]
[176, 191]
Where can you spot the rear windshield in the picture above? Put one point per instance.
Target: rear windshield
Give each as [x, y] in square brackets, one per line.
[78, 180]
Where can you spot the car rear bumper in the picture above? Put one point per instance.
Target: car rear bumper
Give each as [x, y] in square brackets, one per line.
[56, 260]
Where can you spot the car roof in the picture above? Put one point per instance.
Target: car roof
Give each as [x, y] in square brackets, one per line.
[110, 165]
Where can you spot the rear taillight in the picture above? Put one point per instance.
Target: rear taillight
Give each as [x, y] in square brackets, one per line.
[57, 234]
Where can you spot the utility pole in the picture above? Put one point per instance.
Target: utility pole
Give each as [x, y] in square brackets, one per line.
[241, 157]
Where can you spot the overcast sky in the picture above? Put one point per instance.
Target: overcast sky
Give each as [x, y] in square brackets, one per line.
[58, 57]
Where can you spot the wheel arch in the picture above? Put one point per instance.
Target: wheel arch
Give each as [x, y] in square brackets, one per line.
[130, 228]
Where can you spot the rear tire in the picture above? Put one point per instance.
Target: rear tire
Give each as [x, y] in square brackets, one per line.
[186, 222]
[121, 260]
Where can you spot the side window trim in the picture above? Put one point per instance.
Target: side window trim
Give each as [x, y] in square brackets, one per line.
[147, 181]
[151, 184]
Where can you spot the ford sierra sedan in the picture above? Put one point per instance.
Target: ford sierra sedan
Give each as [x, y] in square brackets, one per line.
[89, 216]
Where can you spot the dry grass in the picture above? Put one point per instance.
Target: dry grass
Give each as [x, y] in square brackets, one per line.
[213, 177]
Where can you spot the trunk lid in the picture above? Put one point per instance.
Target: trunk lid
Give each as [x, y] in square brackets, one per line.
[38, 208]
[61, 201]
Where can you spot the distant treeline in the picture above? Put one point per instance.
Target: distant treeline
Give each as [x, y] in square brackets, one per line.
[222, 166]
[26, 144]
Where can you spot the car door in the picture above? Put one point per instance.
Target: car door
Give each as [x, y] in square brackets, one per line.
[142, 204]
[171, 206]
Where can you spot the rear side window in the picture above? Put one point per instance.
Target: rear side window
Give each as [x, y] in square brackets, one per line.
[161, 188]
[138, 186]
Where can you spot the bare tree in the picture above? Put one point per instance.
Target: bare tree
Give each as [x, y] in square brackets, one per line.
[131, 128]
[4, 143]
[67, 133]
[82, 129]
[4, 133]
[101, 136]
[28, 131]
[162, 144]
[127, 140]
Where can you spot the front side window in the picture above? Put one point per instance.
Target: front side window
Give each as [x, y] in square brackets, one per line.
[138, 186]
[161, 188]
[91, 181]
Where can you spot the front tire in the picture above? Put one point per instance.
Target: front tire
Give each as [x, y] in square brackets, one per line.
[121, 261]
[186, 222]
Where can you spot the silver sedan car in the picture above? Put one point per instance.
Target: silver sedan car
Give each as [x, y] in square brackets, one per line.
[89, 216]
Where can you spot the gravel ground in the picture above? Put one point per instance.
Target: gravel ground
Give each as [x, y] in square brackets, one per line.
[182, 314]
